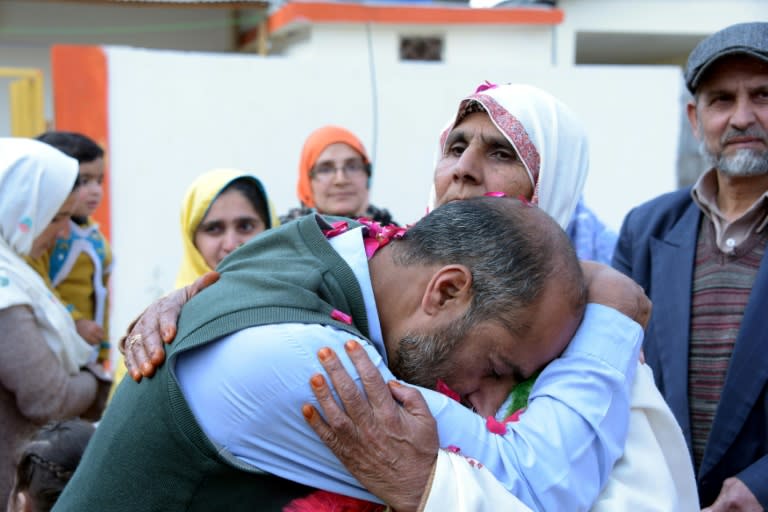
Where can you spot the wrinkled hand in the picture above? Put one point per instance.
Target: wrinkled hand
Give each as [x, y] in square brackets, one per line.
[390, 448]
[735, 496]
[90, 331]
[142, 345]
[611, 288]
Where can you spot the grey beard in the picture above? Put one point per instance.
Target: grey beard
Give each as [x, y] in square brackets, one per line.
[745, 162]
[422, 358]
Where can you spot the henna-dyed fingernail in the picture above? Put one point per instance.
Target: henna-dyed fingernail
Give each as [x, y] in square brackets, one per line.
[317, 381]
[324, 354]
[307, 411]
[351, 346]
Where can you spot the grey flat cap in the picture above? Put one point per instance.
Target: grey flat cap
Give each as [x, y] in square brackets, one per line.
[746, 38]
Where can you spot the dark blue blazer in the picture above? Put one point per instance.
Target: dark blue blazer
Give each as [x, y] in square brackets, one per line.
[656, 247]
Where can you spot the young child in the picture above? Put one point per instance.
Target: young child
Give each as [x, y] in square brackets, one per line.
[79, 266]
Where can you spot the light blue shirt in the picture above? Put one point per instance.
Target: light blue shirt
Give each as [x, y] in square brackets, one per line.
[592, 239]
[246, 391]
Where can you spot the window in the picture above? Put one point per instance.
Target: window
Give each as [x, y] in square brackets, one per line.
[421, 48]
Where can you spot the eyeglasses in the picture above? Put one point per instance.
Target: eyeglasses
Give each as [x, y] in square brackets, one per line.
[327, 170]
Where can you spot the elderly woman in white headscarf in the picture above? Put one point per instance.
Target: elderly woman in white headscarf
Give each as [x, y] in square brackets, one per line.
[517, 140]
[43, 373]
[520, 141]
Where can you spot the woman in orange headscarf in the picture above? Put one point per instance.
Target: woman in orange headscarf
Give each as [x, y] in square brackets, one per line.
[334, 177]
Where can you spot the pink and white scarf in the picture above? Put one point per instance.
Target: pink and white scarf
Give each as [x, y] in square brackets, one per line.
[549, 139]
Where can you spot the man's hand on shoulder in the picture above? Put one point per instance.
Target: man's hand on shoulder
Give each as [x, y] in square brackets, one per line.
[609, 287]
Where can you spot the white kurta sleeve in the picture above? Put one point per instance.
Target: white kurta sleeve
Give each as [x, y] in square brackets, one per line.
[462, 484]
[655, 473]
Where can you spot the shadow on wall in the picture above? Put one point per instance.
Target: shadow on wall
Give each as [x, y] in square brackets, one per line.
[690, 163]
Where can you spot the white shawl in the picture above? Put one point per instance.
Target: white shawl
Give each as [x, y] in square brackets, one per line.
[35, 180]
[548, 138]
[654, 475]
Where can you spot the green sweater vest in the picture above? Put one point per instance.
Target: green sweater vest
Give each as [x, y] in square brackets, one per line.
[148, 452]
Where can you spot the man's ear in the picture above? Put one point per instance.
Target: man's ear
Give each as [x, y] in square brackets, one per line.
[693, 118]
[449, 287]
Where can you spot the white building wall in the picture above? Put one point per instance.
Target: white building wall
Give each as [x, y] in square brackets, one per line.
[521, 44]
[463, 44]
[174, 115]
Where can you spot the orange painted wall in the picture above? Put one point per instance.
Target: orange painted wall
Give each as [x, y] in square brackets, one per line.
[80, 105]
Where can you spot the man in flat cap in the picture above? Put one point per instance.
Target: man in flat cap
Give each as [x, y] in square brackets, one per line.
[700, 254]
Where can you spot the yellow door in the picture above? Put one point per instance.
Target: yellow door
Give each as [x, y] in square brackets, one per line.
[26, 97]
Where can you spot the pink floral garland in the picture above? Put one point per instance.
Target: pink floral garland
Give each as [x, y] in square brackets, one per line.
[324, 501]
[492, 424]
[375, 235]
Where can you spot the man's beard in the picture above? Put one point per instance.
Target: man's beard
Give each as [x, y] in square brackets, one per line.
[744, 162]
[423, 358]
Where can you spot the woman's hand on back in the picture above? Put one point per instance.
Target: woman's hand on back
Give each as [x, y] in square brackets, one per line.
[610, 287]
[142, 345]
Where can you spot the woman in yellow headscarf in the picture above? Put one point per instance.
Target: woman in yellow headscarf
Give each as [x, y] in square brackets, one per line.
[222, 210]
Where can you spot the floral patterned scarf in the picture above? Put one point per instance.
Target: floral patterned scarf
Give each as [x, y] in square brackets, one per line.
[547, 136]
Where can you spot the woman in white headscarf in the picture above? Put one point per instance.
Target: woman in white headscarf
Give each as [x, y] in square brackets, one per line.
[42, 370]
[549, 146]
[548, 168]
[552, 147]
[517, 140]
